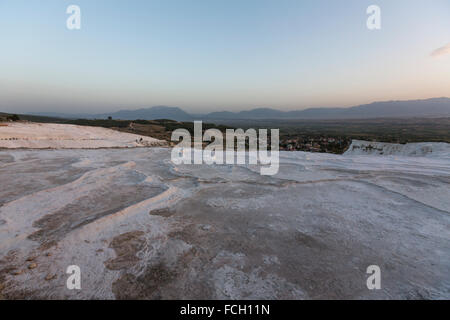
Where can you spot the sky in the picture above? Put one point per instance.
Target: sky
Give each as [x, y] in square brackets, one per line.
[214, 55]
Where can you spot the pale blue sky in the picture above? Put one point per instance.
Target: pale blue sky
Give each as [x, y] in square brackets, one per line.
[208, 55]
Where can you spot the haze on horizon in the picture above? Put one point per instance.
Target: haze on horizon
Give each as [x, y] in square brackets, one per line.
[208, 56]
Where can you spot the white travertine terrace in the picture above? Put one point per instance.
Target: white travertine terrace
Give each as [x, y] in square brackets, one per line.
[31, 135]
[141, 227]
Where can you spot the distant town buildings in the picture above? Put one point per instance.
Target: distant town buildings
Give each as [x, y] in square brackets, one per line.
[314, 143]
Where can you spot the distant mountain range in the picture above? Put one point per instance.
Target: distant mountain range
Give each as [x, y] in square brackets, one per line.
[436, 107]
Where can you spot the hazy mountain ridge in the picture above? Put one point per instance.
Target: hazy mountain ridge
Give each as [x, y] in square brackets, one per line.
[435, 107]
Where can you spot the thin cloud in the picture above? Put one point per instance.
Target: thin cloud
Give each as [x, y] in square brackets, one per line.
[442, 51]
